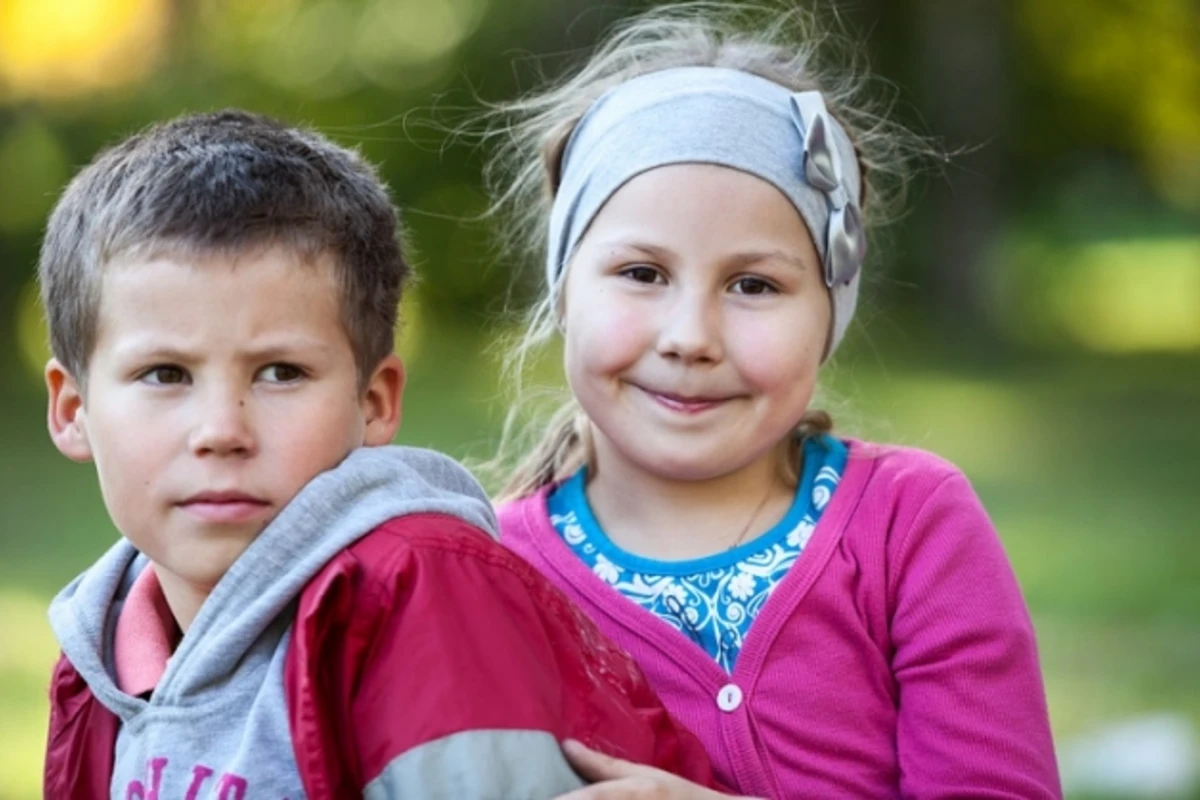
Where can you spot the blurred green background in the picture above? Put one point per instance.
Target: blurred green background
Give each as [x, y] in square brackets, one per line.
[1035, 317]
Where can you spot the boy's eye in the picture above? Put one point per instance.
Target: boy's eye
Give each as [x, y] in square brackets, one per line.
[164, 375]
[281, 373]
[642, 274]
[751, 285]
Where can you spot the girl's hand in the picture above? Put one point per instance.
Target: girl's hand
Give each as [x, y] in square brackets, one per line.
[615, 779]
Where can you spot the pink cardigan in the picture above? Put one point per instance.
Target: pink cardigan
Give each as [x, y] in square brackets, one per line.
[896, 659]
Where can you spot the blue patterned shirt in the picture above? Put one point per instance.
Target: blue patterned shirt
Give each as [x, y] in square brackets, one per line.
[712, 600]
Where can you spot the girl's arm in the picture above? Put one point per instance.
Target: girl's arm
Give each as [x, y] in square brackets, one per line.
[617, 779]
[973, 719]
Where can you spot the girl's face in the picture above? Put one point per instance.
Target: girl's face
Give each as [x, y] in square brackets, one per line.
[695, 319]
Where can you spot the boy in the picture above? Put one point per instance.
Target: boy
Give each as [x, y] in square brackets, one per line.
[295, 608]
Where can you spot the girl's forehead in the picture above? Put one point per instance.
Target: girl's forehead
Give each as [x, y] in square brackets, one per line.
[704, 206]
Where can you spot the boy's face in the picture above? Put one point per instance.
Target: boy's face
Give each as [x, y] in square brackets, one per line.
[215, 391]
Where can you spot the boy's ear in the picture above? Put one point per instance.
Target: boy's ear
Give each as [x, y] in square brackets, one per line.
[381, 402]
[65, 415]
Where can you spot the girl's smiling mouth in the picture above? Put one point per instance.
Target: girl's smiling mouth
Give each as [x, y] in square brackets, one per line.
[684, 404]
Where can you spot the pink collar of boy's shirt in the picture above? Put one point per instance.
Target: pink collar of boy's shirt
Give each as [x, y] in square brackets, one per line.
[146, 635]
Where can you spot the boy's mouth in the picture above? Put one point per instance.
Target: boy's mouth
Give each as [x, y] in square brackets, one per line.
[227, 507]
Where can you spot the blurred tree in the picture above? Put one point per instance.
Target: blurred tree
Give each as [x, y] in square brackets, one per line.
[1041, 98]
[961, 52]
[1111, 79]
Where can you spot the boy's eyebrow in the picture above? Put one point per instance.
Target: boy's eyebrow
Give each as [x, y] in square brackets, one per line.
[272, 350]
[150, 350]
[265, 352]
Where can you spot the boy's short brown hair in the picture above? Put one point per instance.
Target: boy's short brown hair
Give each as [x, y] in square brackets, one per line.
[221, 183]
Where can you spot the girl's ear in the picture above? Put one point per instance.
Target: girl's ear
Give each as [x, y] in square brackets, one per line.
[65, 415]
[552, 153]
[381, 402]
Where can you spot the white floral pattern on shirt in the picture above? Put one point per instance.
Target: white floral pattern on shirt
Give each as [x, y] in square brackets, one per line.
[715, 605]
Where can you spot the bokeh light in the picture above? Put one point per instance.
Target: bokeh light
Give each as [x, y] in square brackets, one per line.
[33, 167]
[65, 47]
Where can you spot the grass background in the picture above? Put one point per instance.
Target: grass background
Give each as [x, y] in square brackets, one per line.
[1089, 468]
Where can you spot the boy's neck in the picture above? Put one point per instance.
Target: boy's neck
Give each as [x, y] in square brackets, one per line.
[670, 519]
[183, 598]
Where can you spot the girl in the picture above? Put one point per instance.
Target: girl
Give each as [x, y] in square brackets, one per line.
[834, 618]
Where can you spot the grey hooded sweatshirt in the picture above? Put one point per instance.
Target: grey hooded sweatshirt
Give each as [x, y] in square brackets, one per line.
[216, 726]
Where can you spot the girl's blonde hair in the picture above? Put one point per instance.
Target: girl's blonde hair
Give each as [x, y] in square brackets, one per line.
[785, 46]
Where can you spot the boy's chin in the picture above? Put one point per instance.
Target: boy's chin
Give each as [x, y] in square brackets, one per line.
[203, 564]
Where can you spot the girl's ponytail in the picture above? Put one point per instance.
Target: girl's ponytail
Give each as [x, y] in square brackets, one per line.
[563, 449]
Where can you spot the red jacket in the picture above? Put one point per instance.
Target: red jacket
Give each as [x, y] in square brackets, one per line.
[417, 654]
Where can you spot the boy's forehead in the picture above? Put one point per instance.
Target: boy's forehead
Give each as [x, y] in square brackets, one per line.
[296, 253]
[248, 291]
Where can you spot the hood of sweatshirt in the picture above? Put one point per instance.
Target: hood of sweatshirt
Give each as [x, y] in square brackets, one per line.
[239, 624]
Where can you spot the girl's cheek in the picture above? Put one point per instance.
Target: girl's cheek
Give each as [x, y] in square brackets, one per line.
[768, 356]
[604, 327]
[606, 349]
[604, 352]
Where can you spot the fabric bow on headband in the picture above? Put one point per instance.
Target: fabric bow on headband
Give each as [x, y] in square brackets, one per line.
[846, 244]
[731, 118]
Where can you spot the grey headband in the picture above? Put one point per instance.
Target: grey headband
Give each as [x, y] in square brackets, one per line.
[713, 115]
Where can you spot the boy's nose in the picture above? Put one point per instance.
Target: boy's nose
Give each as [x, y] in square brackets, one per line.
[223, 428]
[691, 330]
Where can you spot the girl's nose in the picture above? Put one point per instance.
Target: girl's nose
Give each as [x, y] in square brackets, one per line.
[691, 329]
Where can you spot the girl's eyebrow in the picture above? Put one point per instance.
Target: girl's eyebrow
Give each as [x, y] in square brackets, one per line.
[735, 261]
[740, 260]
[654, 251]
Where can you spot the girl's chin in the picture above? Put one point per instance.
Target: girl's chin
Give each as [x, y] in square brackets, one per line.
[708, 465]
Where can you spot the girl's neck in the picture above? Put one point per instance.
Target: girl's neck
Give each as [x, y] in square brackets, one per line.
[672, 520]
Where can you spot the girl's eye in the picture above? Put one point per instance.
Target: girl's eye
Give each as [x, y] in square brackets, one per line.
[164, 375]
[751, 285]
[281, 373]
[642, 274]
